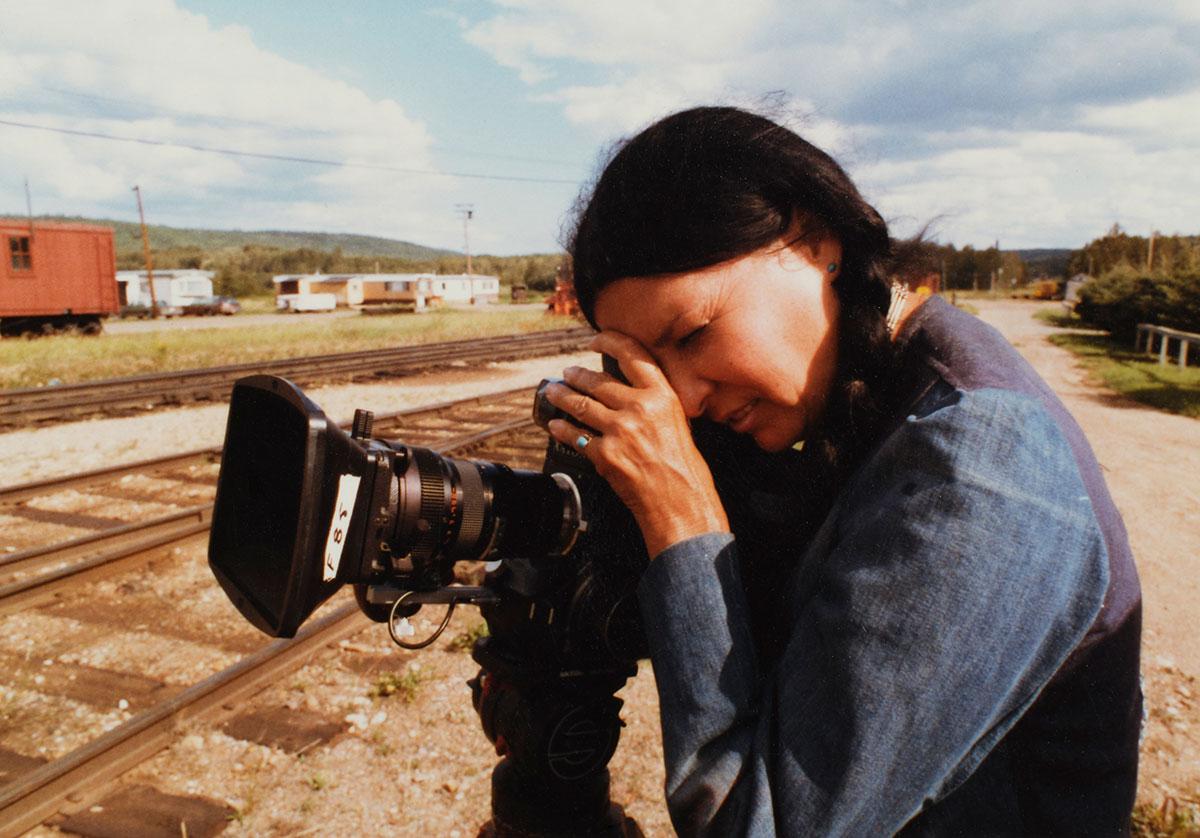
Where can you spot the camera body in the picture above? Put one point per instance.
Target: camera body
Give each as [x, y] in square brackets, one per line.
[304, 508]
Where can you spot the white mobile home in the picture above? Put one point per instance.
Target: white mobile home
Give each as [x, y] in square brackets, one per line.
[173, 288]
[421, 291]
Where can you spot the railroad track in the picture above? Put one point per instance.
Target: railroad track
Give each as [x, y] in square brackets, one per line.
[496, 427]
[33, 405]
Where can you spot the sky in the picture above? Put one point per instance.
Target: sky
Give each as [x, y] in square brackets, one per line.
[1033, 124]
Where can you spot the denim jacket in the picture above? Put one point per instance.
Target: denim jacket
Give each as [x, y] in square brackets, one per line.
[962, 634]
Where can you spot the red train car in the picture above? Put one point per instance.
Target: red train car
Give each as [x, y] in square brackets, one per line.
[55, 276]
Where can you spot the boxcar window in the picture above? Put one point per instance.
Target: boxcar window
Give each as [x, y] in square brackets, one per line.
[18, 248]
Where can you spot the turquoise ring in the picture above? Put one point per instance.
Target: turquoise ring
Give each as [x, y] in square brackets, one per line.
[581, 441]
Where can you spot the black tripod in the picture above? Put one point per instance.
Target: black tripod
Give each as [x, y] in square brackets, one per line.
[564, 637]
[555, 732]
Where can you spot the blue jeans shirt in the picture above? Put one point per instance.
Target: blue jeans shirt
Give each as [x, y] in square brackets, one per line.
[950, 663]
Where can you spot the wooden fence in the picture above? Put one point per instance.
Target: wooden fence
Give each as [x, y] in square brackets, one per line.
[1165, 336]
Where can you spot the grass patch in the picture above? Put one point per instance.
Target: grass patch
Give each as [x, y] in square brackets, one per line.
[1136, 375]
[38, 362]
[1060, 318]
[258, 305]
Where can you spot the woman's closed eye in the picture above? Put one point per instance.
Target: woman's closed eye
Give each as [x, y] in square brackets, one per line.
[692, 337]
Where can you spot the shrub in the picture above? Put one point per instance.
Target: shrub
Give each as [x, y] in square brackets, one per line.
[1120, 300]
[1183, 303]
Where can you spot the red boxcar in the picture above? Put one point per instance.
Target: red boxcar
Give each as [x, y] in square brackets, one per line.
[55, 276]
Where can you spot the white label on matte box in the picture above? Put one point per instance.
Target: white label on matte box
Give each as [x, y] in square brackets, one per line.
[347, 492]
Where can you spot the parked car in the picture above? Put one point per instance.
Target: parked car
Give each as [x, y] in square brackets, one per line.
[213, 305]
[142, 312]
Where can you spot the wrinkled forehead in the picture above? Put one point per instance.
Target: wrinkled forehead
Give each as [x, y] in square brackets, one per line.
[643, 307]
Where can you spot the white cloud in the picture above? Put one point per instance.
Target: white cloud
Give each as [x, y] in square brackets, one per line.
[525, 34]
[1038, 123]
[73, 65]
[1036, 188]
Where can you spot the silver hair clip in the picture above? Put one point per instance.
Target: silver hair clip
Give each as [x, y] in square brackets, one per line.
[896, 308]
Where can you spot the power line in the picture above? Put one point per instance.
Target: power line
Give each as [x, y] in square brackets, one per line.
[200, 116]
[284, 158]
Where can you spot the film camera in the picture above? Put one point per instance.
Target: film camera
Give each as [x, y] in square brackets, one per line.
[304, 508]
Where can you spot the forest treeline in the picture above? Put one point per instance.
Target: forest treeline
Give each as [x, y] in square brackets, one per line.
[247, 270]
[1172, 255]
[1138, 279]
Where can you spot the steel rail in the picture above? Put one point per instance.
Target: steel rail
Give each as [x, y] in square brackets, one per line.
[115, 550]
[70, 400]
[24, 491]
[237, 370]
[130, 553]
[38, 488]
[78, 777]
[37, 558]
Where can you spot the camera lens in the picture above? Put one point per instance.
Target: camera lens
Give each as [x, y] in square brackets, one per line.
[452, 510]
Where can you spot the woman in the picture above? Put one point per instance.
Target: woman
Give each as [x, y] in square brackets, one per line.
[889, 589]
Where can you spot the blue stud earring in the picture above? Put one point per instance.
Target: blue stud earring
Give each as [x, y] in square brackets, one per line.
[833, 266]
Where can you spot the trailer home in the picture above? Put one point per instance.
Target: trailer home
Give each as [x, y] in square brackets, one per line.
[173, 288]
[420, 291]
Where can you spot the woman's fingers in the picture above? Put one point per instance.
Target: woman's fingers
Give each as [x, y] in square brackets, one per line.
[599, 385]
[585, 409]
[572, 435]
[636, 362]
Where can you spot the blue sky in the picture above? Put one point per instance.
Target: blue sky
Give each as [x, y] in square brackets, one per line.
[1037, 124]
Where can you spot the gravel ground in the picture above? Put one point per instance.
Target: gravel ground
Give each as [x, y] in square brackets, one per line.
[40, 453]
[419, 764]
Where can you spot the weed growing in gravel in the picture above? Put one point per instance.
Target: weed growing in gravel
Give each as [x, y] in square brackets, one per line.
[464, 641]
[243, 806]
[317, 782]
[1169, 820]
[383, 747]
[403, 684]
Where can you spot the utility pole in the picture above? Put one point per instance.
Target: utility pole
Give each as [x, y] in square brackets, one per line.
[29, 209]
[146, 253]
[1150, 254]
[467, 211]
[992, 286]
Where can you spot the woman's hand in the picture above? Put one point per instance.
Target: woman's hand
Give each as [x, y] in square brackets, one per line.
[645, 452]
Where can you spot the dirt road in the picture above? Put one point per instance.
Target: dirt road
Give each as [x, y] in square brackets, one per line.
[1151, 461]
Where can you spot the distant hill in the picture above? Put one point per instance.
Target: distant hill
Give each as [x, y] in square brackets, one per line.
[128, 237]
[1050, 261]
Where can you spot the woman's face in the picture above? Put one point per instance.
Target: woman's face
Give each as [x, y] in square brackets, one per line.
[751, 343]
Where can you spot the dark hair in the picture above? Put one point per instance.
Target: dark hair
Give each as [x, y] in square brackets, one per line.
[711, 184]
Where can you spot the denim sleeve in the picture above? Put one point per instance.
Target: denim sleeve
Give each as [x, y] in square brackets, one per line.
[955, 574]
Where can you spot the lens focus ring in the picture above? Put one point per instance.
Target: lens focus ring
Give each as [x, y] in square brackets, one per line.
[471, 506]
[433, 502]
